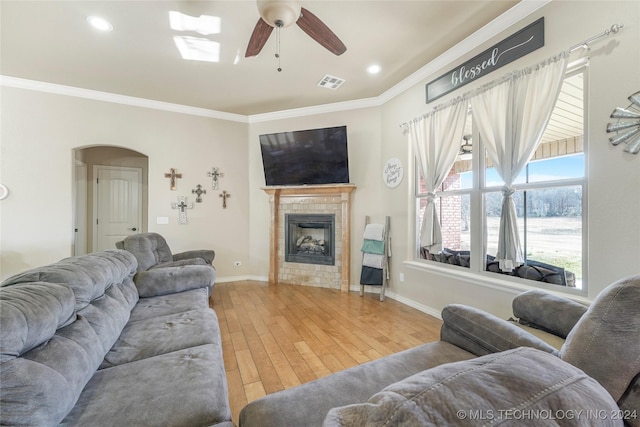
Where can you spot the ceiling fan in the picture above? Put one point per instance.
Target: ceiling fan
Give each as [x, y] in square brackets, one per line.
[281, 14]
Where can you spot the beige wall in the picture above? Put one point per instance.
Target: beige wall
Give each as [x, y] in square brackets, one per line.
[39, 134]
[40, 131]
[613, 204]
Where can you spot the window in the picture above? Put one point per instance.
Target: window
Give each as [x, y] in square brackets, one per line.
[548, 197]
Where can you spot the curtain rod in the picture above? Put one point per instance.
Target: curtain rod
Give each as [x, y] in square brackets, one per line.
[582, 45]
[585, 44]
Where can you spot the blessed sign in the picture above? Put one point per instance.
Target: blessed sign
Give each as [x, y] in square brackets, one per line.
[508, 50]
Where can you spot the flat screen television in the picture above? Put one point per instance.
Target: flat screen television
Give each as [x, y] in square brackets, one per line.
[306, 157]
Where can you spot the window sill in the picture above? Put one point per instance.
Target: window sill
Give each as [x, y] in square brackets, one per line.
[496, 281]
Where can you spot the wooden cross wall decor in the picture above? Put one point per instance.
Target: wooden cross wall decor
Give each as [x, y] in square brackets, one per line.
[198, 191]
[224, 196]
[182, 205]
[215, 174]
[172, 175]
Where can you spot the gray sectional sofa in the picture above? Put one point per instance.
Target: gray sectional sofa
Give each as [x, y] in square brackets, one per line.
[559, 363]
[81, 345]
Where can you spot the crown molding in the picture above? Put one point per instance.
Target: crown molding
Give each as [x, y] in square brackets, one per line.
[39, 86]
[512, 16]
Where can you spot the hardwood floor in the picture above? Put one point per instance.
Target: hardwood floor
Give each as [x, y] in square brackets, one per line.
[279, 336]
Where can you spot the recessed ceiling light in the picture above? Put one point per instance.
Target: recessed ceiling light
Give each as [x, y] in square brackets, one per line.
[99, 23]
[374, 69]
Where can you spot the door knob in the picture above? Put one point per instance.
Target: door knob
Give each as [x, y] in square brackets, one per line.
[133, 229]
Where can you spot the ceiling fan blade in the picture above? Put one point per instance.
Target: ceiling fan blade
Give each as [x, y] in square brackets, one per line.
[259, 38]
[317, 30]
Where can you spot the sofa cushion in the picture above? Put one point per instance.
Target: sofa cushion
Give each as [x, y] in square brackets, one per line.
[548, 312]
[183, 388]
[497, 388]
[605, 343]
[61, 328]
[161, 281]
[482, 333]
[163, 305]
[30, 314]
[148, 248]
[88, 275]
[42, 385]
[164, 334]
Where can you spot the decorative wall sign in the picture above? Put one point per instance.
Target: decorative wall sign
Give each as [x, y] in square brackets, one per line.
[627, 127]
[215, 174]
[182, 205]
[224, 196]
[172, 175]
[392, 172]
[198, 191]
[508, 50]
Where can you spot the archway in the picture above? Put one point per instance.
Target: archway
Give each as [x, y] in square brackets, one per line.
[86, 161]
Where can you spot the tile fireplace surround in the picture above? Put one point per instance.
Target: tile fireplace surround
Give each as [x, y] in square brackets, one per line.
[310, 199]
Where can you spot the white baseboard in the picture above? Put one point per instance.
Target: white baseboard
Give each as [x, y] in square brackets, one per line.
[241, 278]
[406, 301]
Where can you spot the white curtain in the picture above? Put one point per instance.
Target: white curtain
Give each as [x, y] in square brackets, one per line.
[436, 140]
[511, 116]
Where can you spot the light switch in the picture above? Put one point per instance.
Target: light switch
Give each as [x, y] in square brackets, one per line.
[162, 220]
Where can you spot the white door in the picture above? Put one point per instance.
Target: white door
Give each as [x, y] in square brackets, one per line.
[80, 209]
[117, 204]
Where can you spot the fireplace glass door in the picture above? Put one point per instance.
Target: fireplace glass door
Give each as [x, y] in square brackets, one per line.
[309, 238]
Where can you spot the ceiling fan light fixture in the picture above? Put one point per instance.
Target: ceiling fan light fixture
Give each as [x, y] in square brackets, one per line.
[279, 14]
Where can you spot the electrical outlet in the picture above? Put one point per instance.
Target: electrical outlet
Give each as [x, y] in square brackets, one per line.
[237, 264]
[402, 277]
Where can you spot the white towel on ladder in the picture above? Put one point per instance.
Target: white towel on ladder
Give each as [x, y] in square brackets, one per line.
[374, 232]
[373, 260]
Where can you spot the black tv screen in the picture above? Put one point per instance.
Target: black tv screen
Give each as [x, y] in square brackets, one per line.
[306, 157]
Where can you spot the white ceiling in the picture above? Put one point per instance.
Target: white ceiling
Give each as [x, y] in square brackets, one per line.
[50, 41]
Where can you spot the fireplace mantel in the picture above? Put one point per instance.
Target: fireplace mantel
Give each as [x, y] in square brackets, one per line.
[312, 195]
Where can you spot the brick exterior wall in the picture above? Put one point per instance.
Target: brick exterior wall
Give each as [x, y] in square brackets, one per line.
[451, 214]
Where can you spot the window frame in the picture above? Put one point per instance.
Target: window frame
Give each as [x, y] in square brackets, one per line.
[476, 273]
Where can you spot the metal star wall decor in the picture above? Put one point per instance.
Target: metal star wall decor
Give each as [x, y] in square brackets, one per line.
[627, 127]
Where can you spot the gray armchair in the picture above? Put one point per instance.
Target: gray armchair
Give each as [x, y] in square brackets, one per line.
[158, 267]
[152, 251]
[603, 339]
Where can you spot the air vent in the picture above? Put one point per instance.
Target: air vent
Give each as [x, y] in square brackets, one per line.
[331, 82]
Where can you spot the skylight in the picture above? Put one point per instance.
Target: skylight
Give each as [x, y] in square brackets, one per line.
[204, 24]
[197, 49]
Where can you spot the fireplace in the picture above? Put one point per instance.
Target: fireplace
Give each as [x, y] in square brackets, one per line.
[309, 238]
[309, 200]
